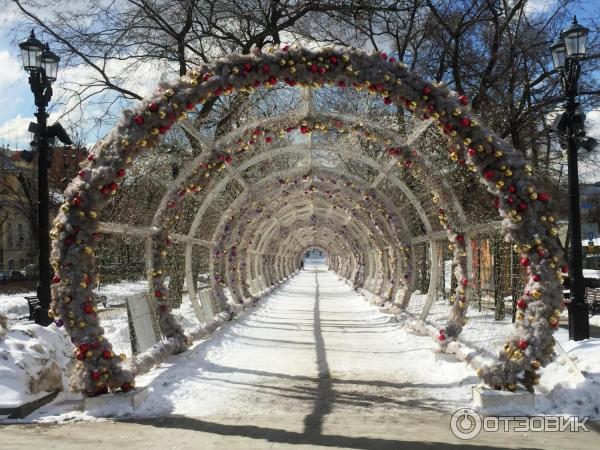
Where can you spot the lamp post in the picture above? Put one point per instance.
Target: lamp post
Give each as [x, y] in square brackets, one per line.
[42, 65]
[566, 55]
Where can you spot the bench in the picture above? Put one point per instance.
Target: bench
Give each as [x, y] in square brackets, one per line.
[34, 303]
[102, 299]
[592, 294]
[592, 297]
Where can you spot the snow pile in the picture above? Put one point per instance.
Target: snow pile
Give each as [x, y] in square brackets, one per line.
[14, 306]
[33, 361]
[563, 390]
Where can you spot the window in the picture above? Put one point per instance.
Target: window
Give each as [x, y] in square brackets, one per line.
[9, 236]
[21, 236]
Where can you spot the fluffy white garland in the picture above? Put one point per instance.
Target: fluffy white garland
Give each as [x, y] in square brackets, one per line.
[528, 215]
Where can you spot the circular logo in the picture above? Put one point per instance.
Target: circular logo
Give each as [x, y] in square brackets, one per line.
[465, 423]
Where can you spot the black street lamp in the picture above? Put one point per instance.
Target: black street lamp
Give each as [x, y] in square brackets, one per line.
[42, 65]
[566, 55]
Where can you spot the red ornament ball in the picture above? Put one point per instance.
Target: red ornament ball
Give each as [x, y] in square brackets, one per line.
[543, 197]
[488, 174]
[522, 344]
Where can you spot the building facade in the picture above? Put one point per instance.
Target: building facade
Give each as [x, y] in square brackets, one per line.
[18, 200]
[17, 246]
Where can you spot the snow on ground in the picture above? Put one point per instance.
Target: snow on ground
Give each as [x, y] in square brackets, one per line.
[27, 351]
[591, 273]
[117, 293]
[330, 354]
[303, 354]
[14, 306]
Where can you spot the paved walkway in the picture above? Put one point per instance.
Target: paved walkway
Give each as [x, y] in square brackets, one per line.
[315, 366]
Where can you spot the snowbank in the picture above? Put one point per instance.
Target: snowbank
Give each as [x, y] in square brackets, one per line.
[14, 306]
[33, 361]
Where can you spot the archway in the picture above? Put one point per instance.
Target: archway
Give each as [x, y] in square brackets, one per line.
[527, 213]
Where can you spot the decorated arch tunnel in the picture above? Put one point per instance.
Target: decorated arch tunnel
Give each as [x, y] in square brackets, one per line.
[368, 194]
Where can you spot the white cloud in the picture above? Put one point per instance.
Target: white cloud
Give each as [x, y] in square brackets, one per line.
[14, 132]
[11, 14]
[11, 70]
[8, 12]
[88, 120]
[538, 6]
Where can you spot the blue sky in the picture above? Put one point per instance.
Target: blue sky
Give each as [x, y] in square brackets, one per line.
[15, 95]
[17, 99]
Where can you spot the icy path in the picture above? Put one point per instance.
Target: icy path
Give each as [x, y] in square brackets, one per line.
[312, 349]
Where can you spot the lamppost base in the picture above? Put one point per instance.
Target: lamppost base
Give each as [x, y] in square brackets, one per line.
[40, 316]
[579, 321]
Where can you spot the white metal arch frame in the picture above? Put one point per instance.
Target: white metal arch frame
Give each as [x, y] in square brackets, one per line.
[234, 174]
[274, 177]
[331, 188]
[266, 235]
[502, 169]
[363, 244]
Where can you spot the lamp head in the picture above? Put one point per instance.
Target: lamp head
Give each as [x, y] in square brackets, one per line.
[575, 38]
[50, 62]
[31, 53]
[559, 54]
